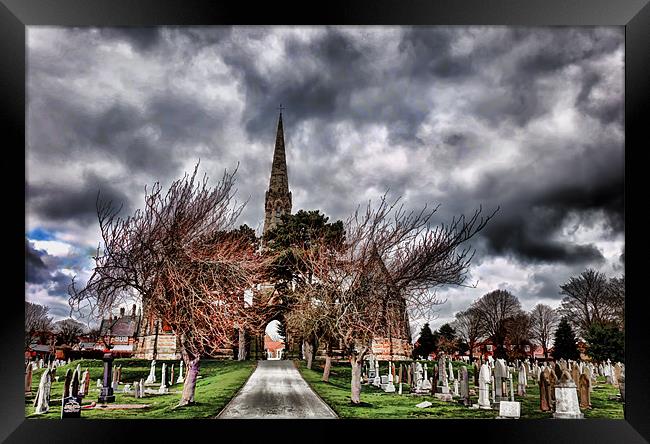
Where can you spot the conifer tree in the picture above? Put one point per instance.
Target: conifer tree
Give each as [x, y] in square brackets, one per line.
[565, 342]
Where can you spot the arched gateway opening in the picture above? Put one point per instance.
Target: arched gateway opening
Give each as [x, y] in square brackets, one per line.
[274, 345]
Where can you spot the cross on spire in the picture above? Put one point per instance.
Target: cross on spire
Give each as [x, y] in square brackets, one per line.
[280, 108]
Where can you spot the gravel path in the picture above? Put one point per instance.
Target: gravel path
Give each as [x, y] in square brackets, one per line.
[276, 390]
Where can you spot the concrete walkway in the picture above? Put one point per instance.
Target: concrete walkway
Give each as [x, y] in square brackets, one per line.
[276, 390]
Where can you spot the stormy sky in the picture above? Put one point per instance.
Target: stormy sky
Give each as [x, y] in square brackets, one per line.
[529, 120]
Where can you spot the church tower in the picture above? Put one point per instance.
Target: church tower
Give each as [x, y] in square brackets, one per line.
[278, 196]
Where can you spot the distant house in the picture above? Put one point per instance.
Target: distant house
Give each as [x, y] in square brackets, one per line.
[120, 332]
[273, 348]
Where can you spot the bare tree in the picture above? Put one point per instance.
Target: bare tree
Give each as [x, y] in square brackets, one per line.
[518, 335]
[587, 300]
[543, 322]
[67, 331]
[36, 321]
[179, 257]
[616, 300]
[495, 309]
[468, 328]
[390, 261]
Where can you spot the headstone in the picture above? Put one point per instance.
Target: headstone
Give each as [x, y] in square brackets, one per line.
[509, 409]
[418, 376]
[522, 380]
[545, 391]
[66, 384]
[151, 379]
[42, 399]
[512, 391]
[74, 386]
[500, 375]
[464, 386]
[377, 380]
[426, 384]
[477, 370]
[163, 386]
[566, 396]
[390, 387]
[583, 390]
[127, 388]
[400, 379]
[621, 385]
[70, 406]
[483, 381]
[99, 383]
[171, 378]
[451, 371]
[180, 379]
[424, 404]
[86, 385]
[28, 378]
[575, 373]
[456, 388]
[553, 380]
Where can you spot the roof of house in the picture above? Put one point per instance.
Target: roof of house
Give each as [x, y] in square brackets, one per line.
[124, 326]
[40, 348]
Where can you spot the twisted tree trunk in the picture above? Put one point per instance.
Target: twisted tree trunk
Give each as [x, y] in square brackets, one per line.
[355, 386]
[328, 367]
[242, 345]
[189, 385]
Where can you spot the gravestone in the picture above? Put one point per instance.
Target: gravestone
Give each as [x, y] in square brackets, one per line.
[28, 379]
[451, 371]
[180, 379]
[42, 399]
[400, 379]
[566, 396]
[545, 402]
[583, 390]
[500, 375]
[483, 382]
[424, 405]
[70, 407]
[377, 380]
[575, 373]
[464, 386]
[171, 377]
[509, 409]
[522, 380]
[553, 380]
[86, 379]
[390, 387]
[163, 385]
[66, 383]
[426, 384]
[74, 385]
[621, 385]
[151, 379]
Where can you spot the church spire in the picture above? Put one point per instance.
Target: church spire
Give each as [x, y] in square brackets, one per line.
[278, 196]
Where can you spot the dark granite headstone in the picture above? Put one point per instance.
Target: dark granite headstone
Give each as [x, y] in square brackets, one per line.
[71, 407]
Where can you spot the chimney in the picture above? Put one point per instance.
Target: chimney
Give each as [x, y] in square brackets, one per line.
[121, 312]
[133, 312]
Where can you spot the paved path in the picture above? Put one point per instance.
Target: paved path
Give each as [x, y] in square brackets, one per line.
[276, 390]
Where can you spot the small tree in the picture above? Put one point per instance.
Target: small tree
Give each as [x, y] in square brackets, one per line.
[37, 322]
[468, 328]
[587, 300]
[67, 331]
[605, 342]
[543, 322]
[495, 309]
[564, 345]
[425, 344]
[447, 341]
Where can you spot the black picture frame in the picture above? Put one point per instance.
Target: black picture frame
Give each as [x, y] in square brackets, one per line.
[15, 15]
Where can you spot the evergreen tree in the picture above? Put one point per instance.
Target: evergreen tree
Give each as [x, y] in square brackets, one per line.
[605, 342]
[425, 344]
[565, 342]
[446, 339]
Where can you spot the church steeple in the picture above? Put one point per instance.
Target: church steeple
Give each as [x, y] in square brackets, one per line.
[278, 196]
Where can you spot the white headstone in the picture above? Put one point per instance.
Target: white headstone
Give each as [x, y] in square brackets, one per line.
[483, 381]
[163, 386]
[42, 401]
[151, 379]
[509, 409]
[180, 379]
[424, 404]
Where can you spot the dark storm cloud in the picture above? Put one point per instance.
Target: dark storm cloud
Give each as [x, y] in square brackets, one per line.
[60, 203]
[142, 39]
[42, 268]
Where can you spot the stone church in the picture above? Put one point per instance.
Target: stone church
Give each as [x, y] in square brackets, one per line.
[156, 341]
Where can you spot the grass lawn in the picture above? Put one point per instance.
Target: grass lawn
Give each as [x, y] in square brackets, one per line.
[219, 382]
[376, 404]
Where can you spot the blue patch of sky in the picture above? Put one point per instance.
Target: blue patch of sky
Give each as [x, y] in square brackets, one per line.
[40, 234]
